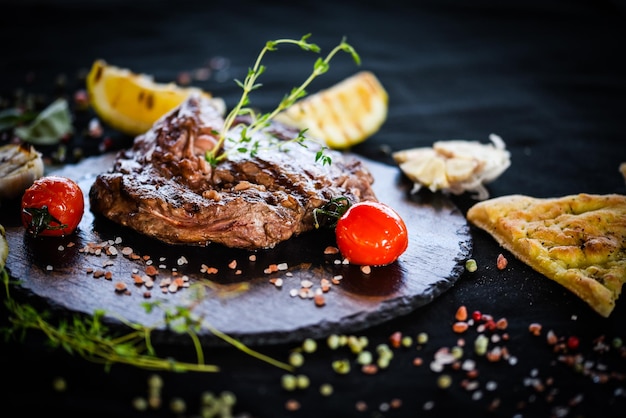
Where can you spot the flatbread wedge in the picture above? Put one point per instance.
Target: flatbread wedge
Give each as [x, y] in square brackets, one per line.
[578, 240]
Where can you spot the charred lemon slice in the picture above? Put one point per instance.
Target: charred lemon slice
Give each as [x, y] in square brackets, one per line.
[344, 114]
[131, 102]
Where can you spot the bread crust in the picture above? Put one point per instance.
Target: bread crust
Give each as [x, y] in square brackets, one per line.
[577, 240]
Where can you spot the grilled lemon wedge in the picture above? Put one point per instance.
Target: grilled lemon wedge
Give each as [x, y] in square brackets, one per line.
[342, 115]
[131, 102]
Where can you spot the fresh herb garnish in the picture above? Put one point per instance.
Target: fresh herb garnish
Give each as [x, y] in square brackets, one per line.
[328, 215]
[245, 143]
[90, 338]
[46, 128]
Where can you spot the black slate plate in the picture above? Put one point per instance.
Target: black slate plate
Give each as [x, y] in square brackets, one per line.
[241, 301]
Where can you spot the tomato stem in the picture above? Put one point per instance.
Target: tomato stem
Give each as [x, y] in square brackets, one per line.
[328, 214]
[42, 219]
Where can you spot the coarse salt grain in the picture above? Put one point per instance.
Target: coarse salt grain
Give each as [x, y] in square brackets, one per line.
[461, 313]
[501, 262]
[468, 364]
[319, 299]
[330, 250]
[460, 327]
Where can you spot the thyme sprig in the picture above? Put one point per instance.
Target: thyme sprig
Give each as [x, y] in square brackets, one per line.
[327, 215]
[245, 143]
[90, 338]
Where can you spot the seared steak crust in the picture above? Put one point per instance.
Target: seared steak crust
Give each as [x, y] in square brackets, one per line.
[164, 188]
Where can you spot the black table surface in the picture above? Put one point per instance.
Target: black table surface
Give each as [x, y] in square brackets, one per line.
[547, 76]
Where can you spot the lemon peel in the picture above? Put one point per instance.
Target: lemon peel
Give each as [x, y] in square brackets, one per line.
[132, 102]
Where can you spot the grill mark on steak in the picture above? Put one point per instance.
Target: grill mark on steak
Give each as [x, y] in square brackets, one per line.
[164, 188]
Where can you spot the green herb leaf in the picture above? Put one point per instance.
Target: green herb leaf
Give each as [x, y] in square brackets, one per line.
[52, 124]
[10, 118]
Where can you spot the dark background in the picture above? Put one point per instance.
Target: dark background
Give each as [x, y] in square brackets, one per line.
[547, 76]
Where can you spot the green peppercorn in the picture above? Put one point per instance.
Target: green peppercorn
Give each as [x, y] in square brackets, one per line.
[383, 361]
[444, 381]
[302, 381]
[288, 382]
[354, 344]
[422, 338]
[480, 345]
[309, 345]
[333, 341]
[365, 357]
[457, 352]
[296, 359]
[155, 381]
[140, 404]
[617, 342]
[341, 366]
[177, 405]
[59, 384]
[406, 341]
[228, 398]
[326, 389]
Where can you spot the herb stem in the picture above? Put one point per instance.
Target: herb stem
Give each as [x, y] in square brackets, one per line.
[90, 338]
[321, 66]
[242, 347]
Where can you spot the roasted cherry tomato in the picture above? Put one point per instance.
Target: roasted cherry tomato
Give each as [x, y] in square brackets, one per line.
[371, 233]
[52, 206]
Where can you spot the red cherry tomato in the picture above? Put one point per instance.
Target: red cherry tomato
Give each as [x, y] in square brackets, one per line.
[52, 206]
[371, 233]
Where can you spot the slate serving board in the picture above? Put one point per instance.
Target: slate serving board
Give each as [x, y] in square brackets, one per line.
[241, 301]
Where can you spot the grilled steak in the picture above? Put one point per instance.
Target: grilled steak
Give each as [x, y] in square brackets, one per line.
[164, 188]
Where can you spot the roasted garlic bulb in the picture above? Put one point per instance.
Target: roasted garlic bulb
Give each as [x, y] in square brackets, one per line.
[20, 166]
[455, 166]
